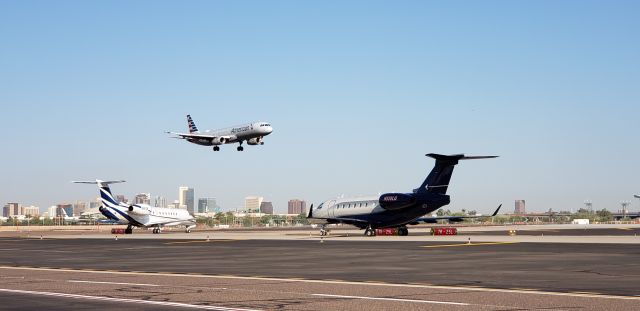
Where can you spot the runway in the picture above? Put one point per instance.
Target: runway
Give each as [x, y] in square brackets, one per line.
[310, 275]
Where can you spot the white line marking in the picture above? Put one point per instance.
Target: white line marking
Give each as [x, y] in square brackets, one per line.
[109, 299]
[393, 299]
[114, 283]
[233, 277]
[34, 250]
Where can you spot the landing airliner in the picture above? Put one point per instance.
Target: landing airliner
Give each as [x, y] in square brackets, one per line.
[395, 210]
[139, 215]
[252, 133]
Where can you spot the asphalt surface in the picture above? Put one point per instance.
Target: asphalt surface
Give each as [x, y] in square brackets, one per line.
[601, 268]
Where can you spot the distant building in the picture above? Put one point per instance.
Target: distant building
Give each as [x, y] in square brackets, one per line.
[297, 207]
[31, 211]
[142, 198]
[79, 208]
[121, 198]
[252, 203]
[175, 204]
[52, 211]
[95, 204]
[12, 210]
[186, 199]
[160, 202]
[207, 205]
[266, 208]
[520, 210]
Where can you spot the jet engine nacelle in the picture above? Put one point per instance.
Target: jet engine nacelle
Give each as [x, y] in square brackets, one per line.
[134, 209]
[254, 141]
[219, 141]
[396, 201]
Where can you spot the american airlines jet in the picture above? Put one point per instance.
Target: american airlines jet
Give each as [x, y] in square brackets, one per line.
[139, 215]
[395, 210]
[252, 133]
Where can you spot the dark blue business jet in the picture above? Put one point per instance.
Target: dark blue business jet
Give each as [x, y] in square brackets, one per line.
[396, 210]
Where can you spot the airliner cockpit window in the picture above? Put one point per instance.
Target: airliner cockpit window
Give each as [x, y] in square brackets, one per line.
[320, 206]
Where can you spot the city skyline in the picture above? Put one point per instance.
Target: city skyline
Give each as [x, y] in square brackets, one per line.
[355, 100]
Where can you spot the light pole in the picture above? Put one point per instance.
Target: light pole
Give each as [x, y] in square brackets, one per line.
[624, 205]
[589, 206]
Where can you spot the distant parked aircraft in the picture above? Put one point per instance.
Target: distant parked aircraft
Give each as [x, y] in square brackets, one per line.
[139, 215]
[252, 133]
[396, 210]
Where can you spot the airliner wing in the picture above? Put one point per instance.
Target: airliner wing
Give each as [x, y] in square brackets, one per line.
[432, 220]
[185, 135]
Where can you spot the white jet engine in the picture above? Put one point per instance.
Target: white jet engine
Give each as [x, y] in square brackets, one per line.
[255, 141]
[219, 141]
[138, 210]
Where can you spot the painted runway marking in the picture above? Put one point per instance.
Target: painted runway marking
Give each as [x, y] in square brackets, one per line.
[112, 283]
[108, 299]
[34, 250]
[233, 277]
[393, 299]
[468, 244]
[197, 241]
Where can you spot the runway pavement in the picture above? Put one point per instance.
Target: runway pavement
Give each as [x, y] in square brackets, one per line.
[310, 275]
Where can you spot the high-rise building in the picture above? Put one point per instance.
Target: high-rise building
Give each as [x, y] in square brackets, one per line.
[266, 208]
[31, 211]
[160, 201]
[186, 198]
[206, 205]
[297, 207]
[142, 198]
[519, 207]
[252, 204]
[12, 210]
[52, 211]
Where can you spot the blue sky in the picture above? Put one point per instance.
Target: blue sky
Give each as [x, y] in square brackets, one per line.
[357, 92]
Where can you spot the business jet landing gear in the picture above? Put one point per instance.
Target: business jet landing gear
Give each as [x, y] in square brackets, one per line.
[323, 231]
[216, 148]
[370, 231]
[129, 230]
[156, 230]
[403, 231]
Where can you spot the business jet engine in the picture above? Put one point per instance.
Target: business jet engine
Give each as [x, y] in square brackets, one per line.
[255, 141]
[396, 201]
[137, 210]
[219, 141]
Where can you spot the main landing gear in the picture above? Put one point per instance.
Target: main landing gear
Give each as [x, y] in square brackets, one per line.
[240, 148]
[216, 148]
[370, 231]
[156, 230]
[323, 231]
[403, 231]
[129, 230]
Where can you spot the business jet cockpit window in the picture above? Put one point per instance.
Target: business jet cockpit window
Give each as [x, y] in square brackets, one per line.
[320, 206]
